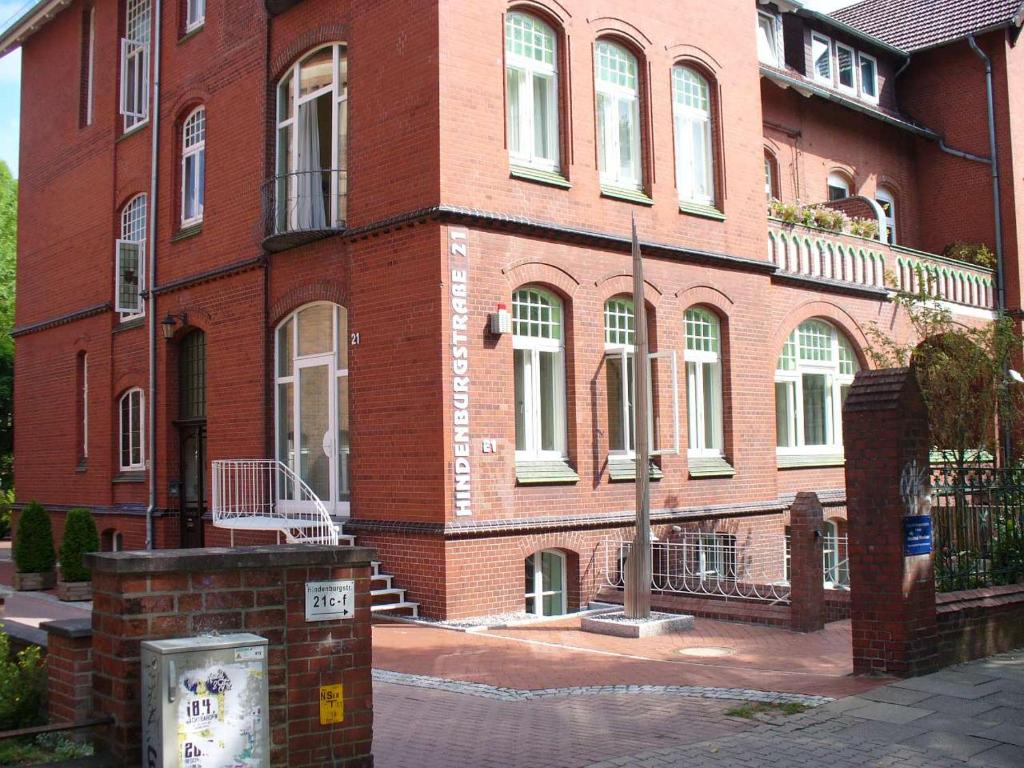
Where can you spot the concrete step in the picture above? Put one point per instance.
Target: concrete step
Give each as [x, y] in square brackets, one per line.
[397, 609]
[387, 596]
[381, 581]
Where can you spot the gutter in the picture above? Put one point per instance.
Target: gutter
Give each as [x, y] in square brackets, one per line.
[151, 224]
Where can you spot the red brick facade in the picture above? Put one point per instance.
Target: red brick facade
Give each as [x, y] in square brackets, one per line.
[428, 157]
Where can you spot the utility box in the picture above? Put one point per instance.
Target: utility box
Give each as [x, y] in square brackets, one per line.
[204, 702]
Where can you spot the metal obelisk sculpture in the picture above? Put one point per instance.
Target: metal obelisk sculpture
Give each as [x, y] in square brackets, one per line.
[638, 571]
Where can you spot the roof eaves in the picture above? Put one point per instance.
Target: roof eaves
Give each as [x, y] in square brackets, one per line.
[853, 31]
[976, 33]
[30, 21]
[801, 84]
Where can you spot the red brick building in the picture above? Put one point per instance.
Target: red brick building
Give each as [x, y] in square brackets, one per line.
[381, 251]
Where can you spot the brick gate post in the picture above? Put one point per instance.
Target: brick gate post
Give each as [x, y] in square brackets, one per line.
[807, 570]
[892, 607]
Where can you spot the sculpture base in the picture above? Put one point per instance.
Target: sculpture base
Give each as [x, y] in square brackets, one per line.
[618, 625]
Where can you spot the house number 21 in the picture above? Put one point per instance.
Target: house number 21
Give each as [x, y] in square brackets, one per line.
[355, 339]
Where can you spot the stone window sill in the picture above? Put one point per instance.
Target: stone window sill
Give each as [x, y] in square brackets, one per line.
[710, 466]
[810, 460]
[545, 472]
[186, 232]
[626, 195]
[551, 178]
[703, 211]
[622, 469]
[130, 476]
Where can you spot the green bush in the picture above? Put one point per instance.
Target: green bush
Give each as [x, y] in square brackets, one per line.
[22, 687]
[973, 253]
[79, 537]
[33, 541]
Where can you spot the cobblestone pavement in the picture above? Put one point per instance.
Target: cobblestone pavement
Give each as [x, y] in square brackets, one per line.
[970, 715]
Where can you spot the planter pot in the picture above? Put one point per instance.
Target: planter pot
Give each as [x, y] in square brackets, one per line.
[74, 591]
[32, 582]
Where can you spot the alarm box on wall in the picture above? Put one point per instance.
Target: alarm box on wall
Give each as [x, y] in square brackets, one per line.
[205, 702]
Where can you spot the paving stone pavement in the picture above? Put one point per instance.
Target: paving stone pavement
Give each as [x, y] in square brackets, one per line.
[969, 715]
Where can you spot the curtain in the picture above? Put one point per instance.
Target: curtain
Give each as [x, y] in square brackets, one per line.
[309, 195]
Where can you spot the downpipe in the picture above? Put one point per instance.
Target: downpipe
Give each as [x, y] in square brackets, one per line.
[151, 269]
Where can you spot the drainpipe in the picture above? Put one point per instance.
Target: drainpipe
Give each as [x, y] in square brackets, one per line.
[151, 269]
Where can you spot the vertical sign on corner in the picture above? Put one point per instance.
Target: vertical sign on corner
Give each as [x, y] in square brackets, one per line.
[458, 265]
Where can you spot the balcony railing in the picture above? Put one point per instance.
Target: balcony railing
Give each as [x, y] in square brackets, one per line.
[304, 206]
[810, 252]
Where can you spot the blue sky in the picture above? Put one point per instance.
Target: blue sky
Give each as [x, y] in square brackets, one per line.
[10, 75]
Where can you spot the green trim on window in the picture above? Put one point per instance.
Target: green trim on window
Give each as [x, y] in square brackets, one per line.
[622, 469]
[805, 460]
[628, 195]
[710, 466]
[704, 211]
[545, 472]
[541, 177]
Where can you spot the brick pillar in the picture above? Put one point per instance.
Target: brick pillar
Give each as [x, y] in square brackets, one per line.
[184, 593]
[69, 669]
[806, 567]
[892, 607]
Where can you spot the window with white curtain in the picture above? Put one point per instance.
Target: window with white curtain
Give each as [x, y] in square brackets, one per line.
[539, 357]
[132, 456]
[767, 39]
[813, 376]
[134, 99]
[193, 167]
[130, 257]
[703, 383]
[887, 201]
[620, 349]
[531, 80]
[693, 138]
[617, 81]
[312, 142]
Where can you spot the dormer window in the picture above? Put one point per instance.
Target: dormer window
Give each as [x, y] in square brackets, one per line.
[868, 78]
[846, 59]
[821, 58]
[767, 39]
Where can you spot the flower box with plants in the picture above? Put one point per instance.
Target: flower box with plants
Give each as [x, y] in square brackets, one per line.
[33, 550]
[74, 580]
[823, 217]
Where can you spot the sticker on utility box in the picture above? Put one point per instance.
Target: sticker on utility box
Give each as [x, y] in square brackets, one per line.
[326, 600]
[332, 704]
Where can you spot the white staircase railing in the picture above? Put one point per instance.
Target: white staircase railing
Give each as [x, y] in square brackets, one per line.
[265, 494]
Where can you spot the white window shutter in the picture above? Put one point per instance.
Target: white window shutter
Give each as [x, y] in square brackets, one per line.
[128, 283]
[670, 356]
[126, 87]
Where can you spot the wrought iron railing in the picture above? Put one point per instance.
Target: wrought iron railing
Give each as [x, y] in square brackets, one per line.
[710, 565]
[977, 521]
[264, 494]
[305, 202]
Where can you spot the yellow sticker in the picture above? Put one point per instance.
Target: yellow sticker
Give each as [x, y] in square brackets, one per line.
[332, 704]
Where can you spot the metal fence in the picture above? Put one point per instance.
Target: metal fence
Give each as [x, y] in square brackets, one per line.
[976, 526]
[305, 201]
[710, 564]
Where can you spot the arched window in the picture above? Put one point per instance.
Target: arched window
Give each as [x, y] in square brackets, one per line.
[545, 583]
[193, 167]
[887, 201]
[695, 162]
[312, 401]
[130, 258]
[539, 350]
[703, 382]
[771, 175]
[619, 345]
[312, 142]
[812, 378]
[839, 186]
[531, 77]
[617, 79]
[130, 407]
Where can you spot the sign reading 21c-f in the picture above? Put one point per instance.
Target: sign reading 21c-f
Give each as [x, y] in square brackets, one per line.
[326, 600]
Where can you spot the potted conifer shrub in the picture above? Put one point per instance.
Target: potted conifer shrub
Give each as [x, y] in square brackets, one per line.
[74, 581]
[33, 550]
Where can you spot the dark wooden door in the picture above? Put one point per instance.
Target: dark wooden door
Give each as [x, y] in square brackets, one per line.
[193, 484]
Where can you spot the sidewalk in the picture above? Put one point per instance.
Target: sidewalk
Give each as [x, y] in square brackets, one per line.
[23, 612]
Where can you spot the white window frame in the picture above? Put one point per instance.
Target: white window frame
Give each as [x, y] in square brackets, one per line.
[860, 77]
[885, 195]
[854, 67]
[134, 222]
[90, 71]
[769, 24]
[839, 181]
[133, 464]
[528, 70]
[85, 406]
[288, 125]
[538, 593]
[195, 14]
[134, 98]
[830, 553]
[716, 557]
[835, 381]
[770, 163]
[532, 391]
[615, 96]
[687, 119]
[817, 37]
[193, 149]
[696, 416]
